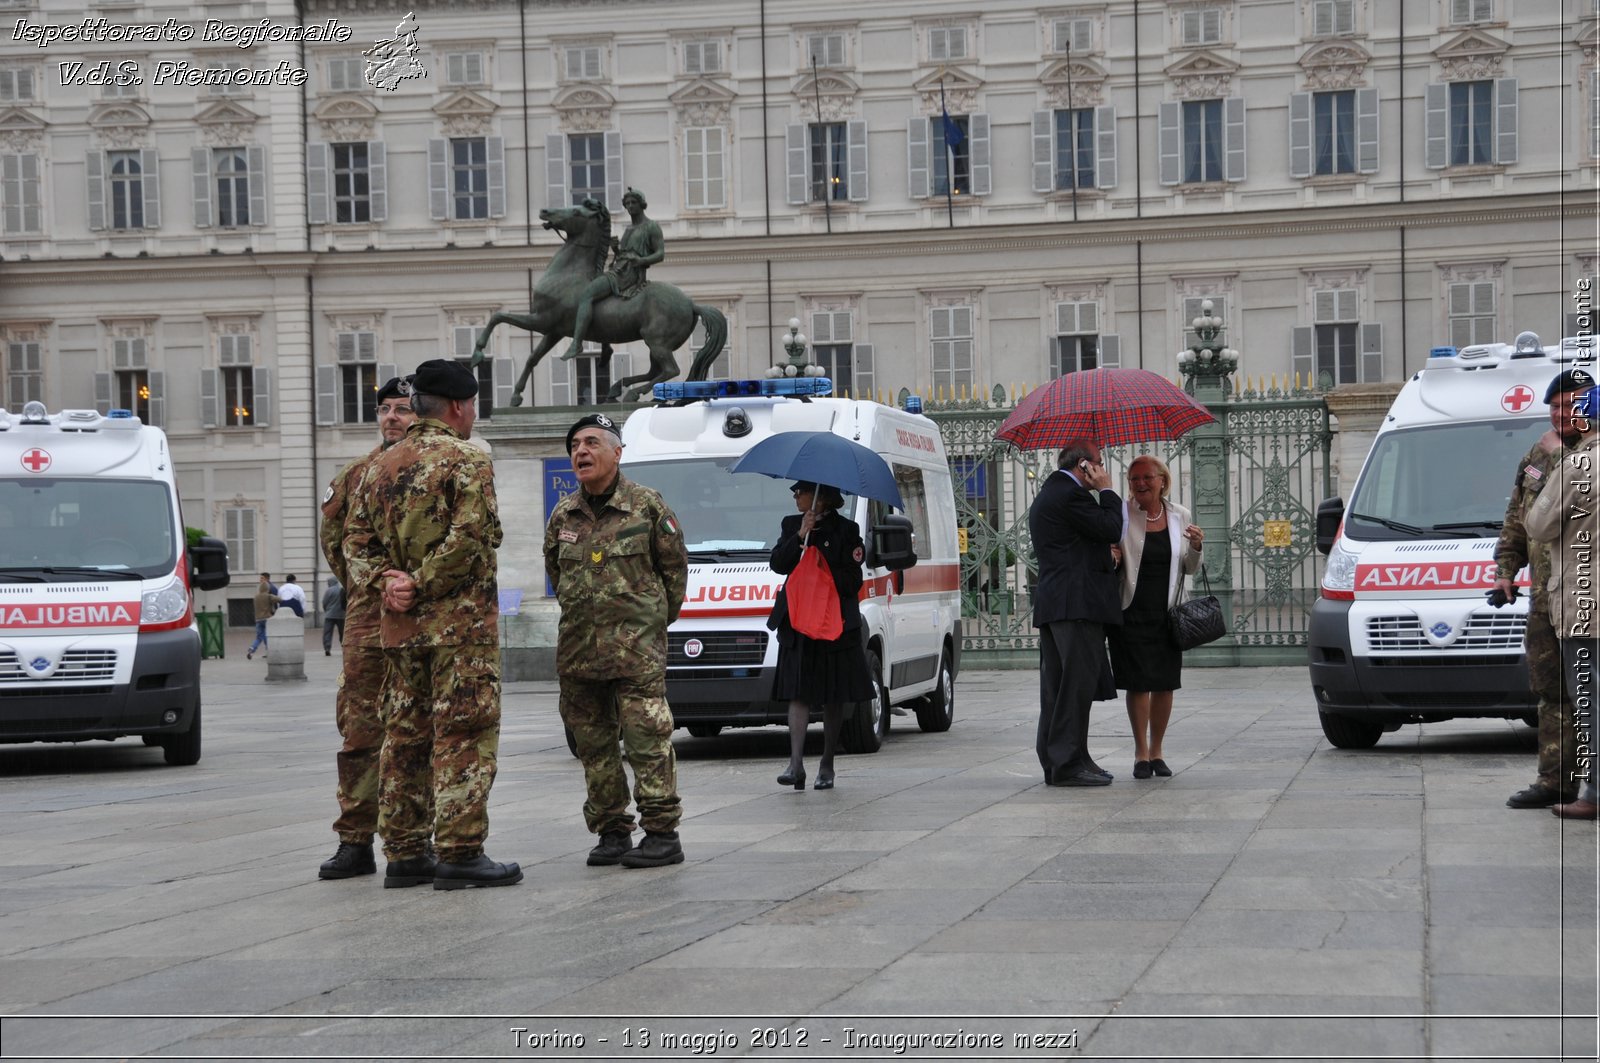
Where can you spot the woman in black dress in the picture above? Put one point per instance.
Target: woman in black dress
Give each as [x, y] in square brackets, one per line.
[1158, 548]
[834, 673]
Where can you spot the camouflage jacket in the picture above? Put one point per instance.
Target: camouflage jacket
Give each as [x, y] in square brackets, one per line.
[1515, 549]
[427, 507]
[362, 605]
[619, 576]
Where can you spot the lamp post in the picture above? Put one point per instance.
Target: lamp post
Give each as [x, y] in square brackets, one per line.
[1207, 363]
[1206, 366]
[795, 345]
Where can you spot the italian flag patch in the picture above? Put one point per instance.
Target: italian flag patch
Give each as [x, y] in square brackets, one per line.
[670, 524]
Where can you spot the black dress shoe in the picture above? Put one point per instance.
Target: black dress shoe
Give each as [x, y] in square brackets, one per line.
[1080, 777]
[1159, 766]
[614, 845]
[348, 861]
[824, 781]
[1098, 770]
[659, 849]
[412, 871]
[1535, 796]
[479, 871]
[1141, 769]
[795, 777]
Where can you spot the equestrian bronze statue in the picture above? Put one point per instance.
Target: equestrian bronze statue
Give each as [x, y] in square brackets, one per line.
[577, 296]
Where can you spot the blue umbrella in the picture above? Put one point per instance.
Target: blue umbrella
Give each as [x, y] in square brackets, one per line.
[823, 458]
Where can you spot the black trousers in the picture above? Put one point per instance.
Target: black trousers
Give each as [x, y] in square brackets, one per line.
[1071, 660]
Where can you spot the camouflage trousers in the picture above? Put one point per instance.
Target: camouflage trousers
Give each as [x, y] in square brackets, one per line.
[632, 713]
[1558, 738]
[356, 714]
[441, 737]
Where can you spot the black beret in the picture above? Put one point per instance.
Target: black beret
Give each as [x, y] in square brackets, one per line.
[1571, 380]
[446, 379]
[398, 387]
[593, 420]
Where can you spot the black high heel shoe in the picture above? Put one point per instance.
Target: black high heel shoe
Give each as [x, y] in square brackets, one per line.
[824, 780]
[795, 777]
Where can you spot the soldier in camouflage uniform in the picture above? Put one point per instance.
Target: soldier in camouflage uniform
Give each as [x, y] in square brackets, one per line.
[355, 706]
[1557, 737]
[614, 553]
[423, 531]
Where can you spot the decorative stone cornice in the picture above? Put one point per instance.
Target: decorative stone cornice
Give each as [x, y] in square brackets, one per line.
[1088, 291]
[226, 122]
[960, 90]
[347, 117]
[703, 102]
[1086, 78]
[1202, 75]
[1472, 55]
[1337, 64]
[1467, 272]
[584, 108]
[465, 113]
[836, 90]
[21, 130]
[120, 124]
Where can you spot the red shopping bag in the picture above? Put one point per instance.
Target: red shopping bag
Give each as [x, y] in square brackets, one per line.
[812, 598]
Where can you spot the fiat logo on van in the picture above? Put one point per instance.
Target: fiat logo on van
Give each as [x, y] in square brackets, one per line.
[693, 648]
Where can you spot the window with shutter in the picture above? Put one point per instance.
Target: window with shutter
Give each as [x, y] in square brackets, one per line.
[24, 374]
[702, 57]
[239, 532]
[1472, 315]
[950, 328]
[125, 189]
[464, 68]
[237, 379]
[16, 85]
[587, 155]
[346, 74]
[1333, 18]
[1072, 36]
[703, 165]
[583, 63]
[946, 43]
[357, 352]
[19, 194]
[1076, 345]
[1464, 12]
[952, 165]
[1202, 26]
[352, 182]
[825, 49]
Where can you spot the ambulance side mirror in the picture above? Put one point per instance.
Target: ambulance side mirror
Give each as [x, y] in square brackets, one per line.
[892, 546]
[1330, 511]
[208, 564]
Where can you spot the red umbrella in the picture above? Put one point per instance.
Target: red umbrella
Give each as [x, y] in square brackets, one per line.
[1108, 406]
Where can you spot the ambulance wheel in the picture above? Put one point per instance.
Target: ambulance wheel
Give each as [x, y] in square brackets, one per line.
[937, 711]
[1347, 733]
[182, 750]
[705, 730]
[572, 741]
[864, 731]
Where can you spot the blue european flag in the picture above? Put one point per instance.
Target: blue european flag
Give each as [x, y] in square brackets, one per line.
[952, 131]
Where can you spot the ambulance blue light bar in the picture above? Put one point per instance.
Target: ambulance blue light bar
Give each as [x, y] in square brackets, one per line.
[1442, 352]
[789, 386]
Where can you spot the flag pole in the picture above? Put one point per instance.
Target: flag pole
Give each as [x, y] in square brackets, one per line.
[1072, 136]
[827, 185]
[949, 155]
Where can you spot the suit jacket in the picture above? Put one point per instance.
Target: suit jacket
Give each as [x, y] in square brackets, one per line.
[839, 539]
[1072, 539]
[1185, 558]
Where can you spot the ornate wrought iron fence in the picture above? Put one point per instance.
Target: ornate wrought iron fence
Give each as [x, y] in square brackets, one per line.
[1268, 476]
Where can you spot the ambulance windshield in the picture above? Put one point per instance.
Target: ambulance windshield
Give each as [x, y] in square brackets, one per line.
[724, 515]
[68, 529]
[1440, 480]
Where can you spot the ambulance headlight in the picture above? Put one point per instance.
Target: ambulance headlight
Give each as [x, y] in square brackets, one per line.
[1340, 573]
[164, 604]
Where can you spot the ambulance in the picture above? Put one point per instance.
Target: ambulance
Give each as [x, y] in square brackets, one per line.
[97, 630]
[1403, 630]
[721, 657]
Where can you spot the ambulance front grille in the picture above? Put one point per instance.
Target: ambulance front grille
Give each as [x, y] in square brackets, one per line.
[719, 649]
[1398, 634]
[77, 666]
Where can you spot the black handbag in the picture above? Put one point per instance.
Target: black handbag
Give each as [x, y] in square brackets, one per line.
[1197, 621]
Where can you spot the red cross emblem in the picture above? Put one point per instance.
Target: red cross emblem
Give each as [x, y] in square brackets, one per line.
[36, 460]
[1517, 399]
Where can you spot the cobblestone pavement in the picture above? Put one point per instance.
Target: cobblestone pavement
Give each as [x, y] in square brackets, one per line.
[1276, 897]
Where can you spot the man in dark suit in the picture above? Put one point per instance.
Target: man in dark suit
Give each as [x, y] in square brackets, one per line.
[1074, 521]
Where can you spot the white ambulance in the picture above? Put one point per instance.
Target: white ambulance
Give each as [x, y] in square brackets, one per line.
[721, 657]
[97, 630]
[1402, 631]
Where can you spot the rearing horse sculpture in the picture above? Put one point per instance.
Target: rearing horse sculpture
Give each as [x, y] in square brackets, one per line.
[659, 314]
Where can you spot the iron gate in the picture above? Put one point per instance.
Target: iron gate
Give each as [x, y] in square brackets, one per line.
[1253, 480]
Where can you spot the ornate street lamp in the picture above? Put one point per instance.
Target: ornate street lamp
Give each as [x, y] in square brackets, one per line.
[1207, 361]
[794, 344]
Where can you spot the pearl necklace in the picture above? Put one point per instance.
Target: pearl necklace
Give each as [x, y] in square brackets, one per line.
[1159, 517]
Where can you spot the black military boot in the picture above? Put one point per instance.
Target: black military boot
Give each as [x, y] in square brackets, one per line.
[412, 871]
[1536, 796]
[479, 871]
[658, 849]
[614, 845]
[348, 861]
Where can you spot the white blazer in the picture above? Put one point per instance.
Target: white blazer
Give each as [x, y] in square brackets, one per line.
[1185, 558]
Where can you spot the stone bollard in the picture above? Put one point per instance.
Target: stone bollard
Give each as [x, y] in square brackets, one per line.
[286, 647]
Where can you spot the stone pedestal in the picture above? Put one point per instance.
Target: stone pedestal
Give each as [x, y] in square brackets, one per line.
[286, 647]
[522, 439]
[1359, 410]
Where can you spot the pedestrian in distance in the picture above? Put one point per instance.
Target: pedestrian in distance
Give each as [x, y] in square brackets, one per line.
[830, 673]
[1557, 739]
[333, 612]
[614, 552]
[1074, 521]
[293, 595]
[266, 603]
[357, 701]
[1564, 516]
[422, 532]
[1160, 546]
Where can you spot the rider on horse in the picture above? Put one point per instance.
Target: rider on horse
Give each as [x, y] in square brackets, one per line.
[640, 247]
